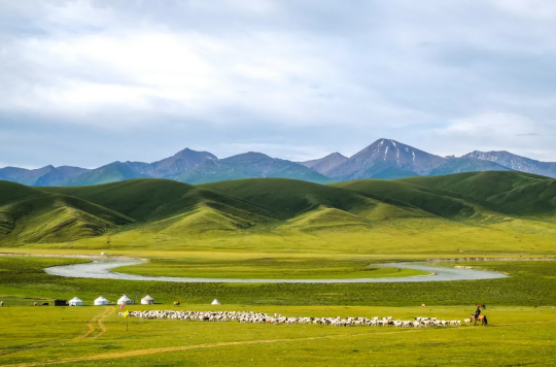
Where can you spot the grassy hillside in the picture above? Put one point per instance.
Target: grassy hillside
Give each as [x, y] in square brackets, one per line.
[469, 195]
[514, 193]
[31, 215]
[470, 212]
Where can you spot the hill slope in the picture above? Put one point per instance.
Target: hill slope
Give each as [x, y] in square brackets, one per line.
[513, 193]
[31, 215]
[487, 210]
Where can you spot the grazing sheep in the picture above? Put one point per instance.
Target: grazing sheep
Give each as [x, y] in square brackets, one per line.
[277, 319]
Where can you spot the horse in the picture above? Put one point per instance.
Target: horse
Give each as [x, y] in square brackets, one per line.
[424, 305]
[176, 303]
[482, 318]
[35, 304]
[45, 304]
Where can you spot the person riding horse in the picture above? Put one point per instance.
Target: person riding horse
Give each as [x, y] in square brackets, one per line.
[478, 312]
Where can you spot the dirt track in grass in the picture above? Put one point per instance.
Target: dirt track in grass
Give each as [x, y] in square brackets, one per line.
[144, 352]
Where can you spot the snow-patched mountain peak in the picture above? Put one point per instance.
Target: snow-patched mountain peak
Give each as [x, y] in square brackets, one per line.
[383, 155]
[515, 162]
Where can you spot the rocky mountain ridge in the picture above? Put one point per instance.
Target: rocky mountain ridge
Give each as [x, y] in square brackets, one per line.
[383, 159]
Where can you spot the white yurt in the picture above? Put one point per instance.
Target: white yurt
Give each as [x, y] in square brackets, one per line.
[147, 300]
[215, 302]
[101, 301]
[75, 302]
[124, 300]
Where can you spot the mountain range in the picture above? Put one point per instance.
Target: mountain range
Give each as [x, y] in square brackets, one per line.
[383, 159]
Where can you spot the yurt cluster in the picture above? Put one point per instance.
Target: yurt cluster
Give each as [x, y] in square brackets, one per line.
[101, 301]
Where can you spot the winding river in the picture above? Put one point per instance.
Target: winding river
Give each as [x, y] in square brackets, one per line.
[101, 269]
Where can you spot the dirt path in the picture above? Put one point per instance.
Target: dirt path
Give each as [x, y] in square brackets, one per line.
[98, 320]
[144, 352]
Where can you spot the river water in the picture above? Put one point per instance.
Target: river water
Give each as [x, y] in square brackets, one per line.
[101, 269]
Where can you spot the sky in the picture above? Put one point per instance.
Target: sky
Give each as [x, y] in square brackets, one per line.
[86, 83]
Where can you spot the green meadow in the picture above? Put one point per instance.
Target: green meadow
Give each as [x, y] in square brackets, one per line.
[267, 268]
[282, 229]
[95, 336]
[521, 312]
[532, 283]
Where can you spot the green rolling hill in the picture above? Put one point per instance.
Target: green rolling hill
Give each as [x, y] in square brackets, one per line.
[469, 210]
[33, 215]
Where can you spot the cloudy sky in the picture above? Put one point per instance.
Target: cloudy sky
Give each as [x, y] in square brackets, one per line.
[90, 82]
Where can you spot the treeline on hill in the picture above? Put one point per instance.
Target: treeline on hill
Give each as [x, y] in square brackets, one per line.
[59, 214]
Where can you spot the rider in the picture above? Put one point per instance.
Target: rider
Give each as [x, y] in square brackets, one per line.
[478, 312]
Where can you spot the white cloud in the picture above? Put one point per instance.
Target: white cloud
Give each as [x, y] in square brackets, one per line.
[537, 9]
[292, 79]
[498, 131]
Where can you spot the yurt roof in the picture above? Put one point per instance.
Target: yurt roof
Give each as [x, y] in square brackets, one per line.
[75, 299]
[101, 298]
[215, 302]
[124, 298]
[148, 298]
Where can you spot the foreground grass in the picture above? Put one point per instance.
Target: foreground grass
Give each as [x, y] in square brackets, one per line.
[518, 334]
[530, 283]
[94, 336]
[266, 268]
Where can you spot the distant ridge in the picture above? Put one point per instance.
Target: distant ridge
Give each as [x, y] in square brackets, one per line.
[387, 156]
[383, 159]
[326, 164]
[516, 162]
[45, 176]
[179, 163]
[249, 165]
[465, 164]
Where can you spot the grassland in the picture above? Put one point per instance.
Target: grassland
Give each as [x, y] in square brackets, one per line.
[93, 336]
[266, 268]
[531, 283]
[519, 333]
[275, 228]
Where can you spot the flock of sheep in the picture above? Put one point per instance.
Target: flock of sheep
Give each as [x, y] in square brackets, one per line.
[277, 319]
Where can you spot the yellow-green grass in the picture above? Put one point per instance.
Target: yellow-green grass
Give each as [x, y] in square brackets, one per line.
[426, 237]
[94, 336]
[266, 268]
